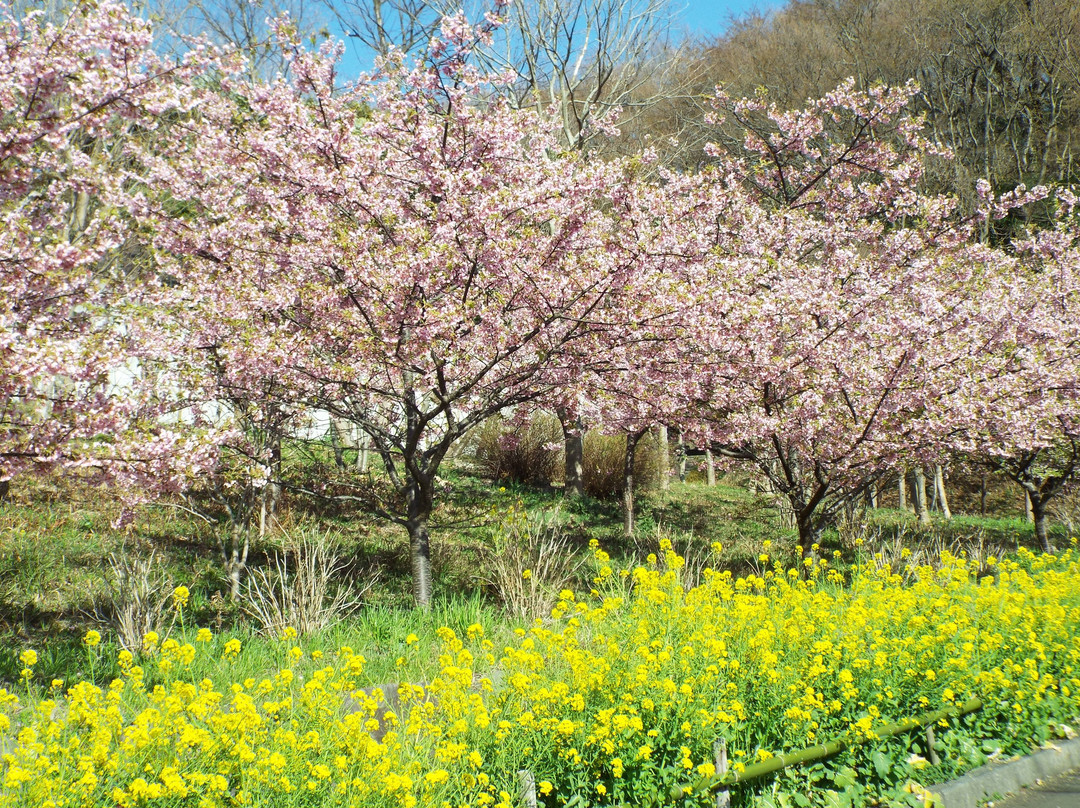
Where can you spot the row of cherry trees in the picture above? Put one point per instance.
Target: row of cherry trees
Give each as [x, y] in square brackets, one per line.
[191, 260]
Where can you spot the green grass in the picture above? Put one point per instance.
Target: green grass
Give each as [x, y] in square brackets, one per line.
[56, 538]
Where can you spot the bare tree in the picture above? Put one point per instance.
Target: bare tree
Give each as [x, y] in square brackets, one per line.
[385, 25]
[575, 60]
[246, 25]
[1000, 79]
[581, 59]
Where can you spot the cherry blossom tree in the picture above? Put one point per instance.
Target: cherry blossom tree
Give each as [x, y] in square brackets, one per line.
[77, 93]
[1018, 409]
[401, 254]
[89, 379]
[833, 294]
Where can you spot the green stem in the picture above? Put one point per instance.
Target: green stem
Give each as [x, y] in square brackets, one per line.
[819, 752]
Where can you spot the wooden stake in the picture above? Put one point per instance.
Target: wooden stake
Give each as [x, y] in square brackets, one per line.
[528, 788]
[931, 751]
[723, 796]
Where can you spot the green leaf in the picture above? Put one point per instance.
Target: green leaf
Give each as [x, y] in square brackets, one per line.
[882, 764]
[844, 778]
[837, 799]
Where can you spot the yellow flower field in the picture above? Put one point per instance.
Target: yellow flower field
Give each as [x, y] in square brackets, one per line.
[616, 698]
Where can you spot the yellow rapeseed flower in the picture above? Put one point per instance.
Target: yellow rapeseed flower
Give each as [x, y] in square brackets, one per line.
[180, 597]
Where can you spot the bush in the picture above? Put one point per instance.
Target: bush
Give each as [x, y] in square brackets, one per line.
[141, 592]
[527, 452]
[603, 465]
[530, 562]
[300, 594]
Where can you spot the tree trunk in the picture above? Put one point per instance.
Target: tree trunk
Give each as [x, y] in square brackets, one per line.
[236, 561]
[574, 442]
[337, 441]
[5, 487]
[710, 468]
[264, 512]
[939, 485]
[420, 558]
[680, 458]
[982, 495]
[419, 500]
[663, 464]
[1029, 512]
[902, 484]
[273, 486]
[1038, 513]
[362, 457]
[871, 495]
[810, 530]
[920, 497]
[632, 439]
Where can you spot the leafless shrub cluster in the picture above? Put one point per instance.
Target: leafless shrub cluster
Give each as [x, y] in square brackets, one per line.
[301, 589]
[903, 550]
[1065, 509]
[530, 562]
[602, 463]
[697, 555]
[527, 452]
[141, 593]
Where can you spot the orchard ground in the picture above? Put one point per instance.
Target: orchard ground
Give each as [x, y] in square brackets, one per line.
[56, 539]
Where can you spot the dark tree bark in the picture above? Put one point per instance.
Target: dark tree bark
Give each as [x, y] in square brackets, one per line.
[629, 456]
[574, 444]
[1038, 513]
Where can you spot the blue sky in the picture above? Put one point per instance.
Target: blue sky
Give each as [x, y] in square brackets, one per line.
[710, 17]
[696, 19]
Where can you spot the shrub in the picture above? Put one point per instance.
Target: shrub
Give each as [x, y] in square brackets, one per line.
[602, 463]
[530, 562]
[302, 594]
[141, 593]
[520, 452]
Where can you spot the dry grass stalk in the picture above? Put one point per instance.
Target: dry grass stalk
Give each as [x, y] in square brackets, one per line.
[531, 562]
[903, 550]
[141, 594]
[299, 590]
